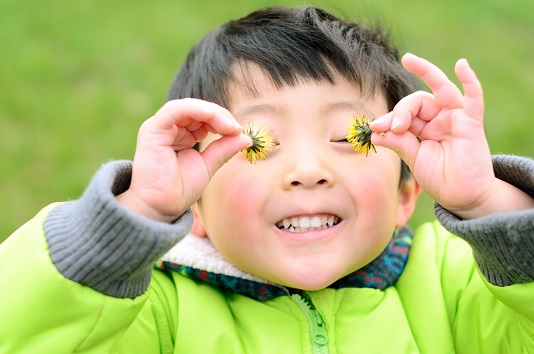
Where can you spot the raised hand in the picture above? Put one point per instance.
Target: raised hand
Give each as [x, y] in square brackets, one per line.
[168, 175]
[451, 160]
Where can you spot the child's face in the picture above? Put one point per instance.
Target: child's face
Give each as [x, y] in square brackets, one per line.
[312, 174]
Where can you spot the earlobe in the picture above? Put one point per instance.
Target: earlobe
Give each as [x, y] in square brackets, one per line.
[198, 226]
[408, 195]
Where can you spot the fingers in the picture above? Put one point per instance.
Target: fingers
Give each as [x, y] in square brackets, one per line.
[405, 145]
[473, 96]
[429, 116]
[413, 111]
[410, 114]
[446, 93]
[193, 114]
[218, 152]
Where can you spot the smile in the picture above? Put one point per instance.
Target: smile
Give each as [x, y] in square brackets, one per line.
[308, 223]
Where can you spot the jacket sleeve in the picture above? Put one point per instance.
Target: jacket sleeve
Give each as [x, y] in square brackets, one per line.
[75, 277]
[503, 247]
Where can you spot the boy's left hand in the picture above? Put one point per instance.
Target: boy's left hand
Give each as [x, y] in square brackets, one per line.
[452, 160]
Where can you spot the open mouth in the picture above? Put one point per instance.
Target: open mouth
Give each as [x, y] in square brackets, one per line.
[308, 223]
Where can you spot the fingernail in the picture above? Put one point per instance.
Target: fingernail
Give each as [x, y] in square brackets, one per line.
[395, 122]
[233, 122]
[377, 121]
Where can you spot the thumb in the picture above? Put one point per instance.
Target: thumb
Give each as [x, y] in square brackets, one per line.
[404, 144]
[220, 151]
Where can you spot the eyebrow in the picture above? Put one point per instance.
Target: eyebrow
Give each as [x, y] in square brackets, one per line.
[259, 108]
[355, 106]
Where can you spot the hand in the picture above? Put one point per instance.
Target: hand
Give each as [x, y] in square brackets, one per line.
[452, 162]
[168, 175]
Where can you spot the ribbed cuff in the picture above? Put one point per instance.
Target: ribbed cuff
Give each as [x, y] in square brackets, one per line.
[503, 244]
[97, 242]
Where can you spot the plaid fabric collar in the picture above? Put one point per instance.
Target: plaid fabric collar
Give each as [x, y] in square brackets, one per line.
[197, 258]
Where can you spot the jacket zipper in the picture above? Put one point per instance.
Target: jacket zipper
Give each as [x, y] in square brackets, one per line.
[319, 337]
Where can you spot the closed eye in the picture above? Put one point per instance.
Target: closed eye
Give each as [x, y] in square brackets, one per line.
[344, 140]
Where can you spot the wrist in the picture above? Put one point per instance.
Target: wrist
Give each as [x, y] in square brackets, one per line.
[132, 202]
[503, 198]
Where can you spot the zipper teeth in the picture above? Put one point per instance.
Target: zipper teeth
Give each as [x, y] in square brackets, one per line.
[318, 335]
[299, 300]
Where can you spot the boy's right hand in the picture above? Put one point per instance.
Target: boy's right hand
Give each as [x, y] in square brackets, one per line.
[168, 175]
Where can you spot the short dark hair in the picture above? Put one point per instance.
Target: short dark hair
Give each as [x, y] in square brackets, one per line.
[290, 44]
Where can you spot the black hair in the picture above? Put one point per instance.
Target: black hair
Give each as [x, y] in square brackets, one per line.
[291, 44]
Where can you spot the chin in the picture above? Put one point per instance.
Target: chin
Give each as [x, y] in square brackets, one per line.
[312, 280]
[310, 285]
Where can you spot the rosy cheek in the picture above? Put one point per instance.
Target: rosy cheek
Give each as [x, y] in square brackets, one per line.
[378, 200]
[239, 198]
[243, 202]
[381, 194]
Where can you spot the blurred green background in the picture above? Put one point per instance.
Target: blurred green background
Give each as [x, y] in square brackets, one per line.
[77, 78]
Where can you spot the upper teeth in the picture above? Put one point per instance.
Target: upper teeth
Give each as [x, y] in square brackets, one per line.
[306, 223]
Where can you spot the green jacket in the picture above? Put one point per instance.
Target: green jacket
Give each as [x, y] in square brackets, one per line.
[442, 302]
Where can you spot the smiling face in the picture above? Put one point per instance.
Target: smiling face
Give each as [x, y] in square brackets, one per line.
[314, 210]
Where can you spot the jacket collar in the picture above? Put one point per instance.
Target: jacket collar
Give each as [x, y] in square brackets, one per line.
[197, 258]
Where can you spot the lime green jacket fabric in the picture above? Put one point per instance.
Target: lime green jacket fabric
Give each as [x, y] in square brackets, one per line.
[440, 304]
[79, 278]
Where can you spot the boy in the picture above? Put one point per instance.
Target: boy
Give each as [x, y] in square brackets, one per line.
[306, 251]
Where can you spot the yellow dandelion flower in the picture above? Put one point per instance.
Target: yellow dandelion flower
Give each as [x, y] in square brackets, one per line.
[262, 143]
[360, 135]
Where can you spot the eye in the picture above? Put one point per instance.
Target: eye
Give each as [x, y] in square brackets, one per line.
[340, 139]
[344, 140]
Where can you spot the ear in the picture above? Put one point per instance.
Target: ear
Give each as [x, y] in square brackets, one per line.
[408, 194]
[198, 226]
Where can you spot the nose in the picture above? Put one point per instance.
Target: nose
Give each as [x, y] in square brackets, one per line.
[308, 169]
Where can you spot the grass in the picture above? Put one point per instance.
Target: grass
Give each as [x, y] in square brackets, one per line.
[78, 78]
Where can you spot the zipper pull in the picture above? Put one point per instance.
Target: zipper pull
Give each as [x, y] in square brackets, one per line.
[319, 332]
[317, 327]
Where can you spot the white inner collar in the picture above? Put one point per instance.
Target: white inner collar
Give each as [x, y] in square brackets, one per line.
[199, 253]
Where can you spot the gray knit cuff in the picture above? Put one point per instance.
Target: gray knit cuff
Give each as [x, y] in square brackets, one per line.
[97, 242]
[503, 244]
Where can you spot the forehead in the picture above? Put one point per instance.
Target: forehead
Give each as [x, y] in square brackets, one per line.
[250, 81]
[252, 90]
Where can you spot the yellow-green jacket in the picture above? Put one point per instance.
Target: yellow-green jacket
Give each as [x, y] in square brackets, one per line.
[63, 296]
